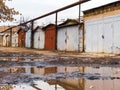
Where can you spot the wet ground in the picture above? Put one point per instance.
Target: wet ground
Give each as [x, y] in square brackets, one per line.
[36, 71]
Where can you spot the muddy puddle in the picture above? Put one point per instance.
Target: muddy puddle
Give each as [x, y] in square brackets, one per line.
[38, 74]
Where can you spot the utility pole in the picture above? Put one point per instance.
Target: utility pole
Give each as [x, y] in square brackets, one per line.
[79, 11]
[56, 19]
[32, 28]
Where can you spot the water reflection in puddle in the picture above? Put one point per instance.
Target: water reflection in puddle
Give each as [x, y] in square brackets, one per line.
[34, 74]
[66, 78]
[67, 84]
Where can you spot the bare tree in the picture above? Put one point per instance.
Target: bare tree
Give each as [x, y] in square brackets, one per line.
[6, 13]
[27, 25]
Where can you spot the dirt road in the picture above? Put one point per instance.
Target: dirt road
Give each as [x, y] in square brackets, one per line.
[62, 57]
[26, 50]
[52, 53]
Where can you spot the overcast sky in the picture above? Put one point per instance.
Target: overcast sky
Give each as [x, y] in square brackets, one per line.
[34, 8]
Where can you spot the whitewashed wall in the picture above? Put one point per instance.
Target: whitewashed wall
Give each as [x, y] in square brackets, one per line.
[68, 38]
[6, 40]
[39, 39]
[15, 40]
[61, 39]
[102, 35]
[28, 39]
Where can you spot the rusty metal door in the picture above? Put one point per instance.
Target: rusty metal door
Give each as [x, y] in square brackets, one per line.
[50, 39]
[21, 39]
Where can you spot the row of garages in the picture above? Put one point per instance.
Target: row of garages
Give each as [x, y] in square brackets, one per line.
[64, 37]
[99, 32]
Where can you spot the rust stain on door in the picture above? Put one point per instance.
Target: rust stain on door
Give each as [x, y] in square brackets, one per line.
[50, 37]
[21, 37]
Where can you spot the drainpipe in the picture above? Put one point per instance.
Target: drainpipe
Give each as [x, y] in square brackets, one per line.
[83, 49]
